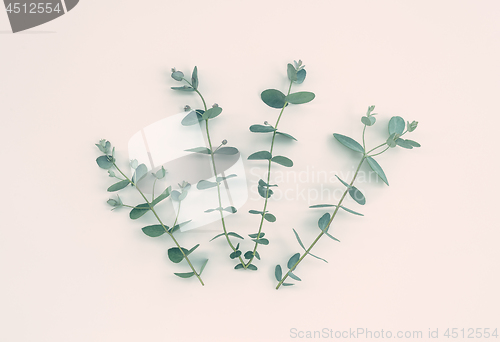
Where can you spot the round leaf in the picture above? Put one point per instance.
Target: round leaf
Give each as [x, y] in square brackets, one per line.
[154, 230]
[357, 195]
[261, 155]
[293, 260]
[270, 217]
[396, 125]
[282, 161]
[300, 97]
[291, 72]
[212, 113]
[323, 221]
[118, 186]
[227, 150]
[278, 273]
[301, 76]
[105, 162]
[175, 255]
[261, 129]
[273, 98]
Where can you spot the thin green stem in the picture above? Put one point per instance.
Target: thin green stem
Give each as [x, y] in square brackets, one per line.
[153, 195]
[268, 179]
[364, 146]
[215, 175]
[161, 223]
[327, 226]
[373, 155]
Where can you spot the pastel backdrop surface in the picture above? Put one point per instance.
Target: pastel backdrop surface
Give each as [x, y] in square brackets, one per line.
[423, 258]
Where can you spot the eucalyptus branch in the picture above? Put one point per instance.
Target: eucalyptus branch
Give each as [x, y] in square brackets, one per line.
[176, 254]
[396, 130]
[275, 99]
[204, 116]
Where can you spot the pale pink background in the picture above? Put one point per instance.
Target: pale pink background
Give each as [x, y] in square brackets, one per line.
[424, 256]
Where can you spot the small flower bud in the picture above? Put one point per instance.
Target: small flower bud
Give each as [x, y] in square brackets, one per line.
[412, 126]
[266, 123]
[187, 108]
[224, 142]
[215, 105]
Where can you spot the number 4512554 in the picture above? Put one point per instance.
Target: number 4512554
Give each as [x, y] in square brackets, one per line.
[33, 8]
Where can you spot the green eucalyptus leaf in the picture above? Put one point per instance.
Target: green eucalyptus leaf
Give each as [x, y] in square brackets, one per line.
[154, 230]
[177, 75]
[287, 284]
[270, 217]
[261, 241]
[237, 267]
[118, 186]
[322, 206]
[230, 209]
[194, 78]
[300, 97]
[212, 210]
[378, 170]
[293, 260]
[264, 192]
[286, 135]
[192, 118]
[252, 267]
[139, 210]
[323, 221]
[293, 276]
[261, 155]
[202, 150]
[162, 196]
[347, 185]
[278, 273]
[349, 142]
[230, 234]
[261, 129]
[204, 184]
[254, 236]
[404, 144]
[298, 239]
[368, 120]
[235, 254]
[301, 76]
[175, 255]
[105, 162]
[221, 179]
[264, 184]
[203, 266]
[187, 275]
[331, 237]
[248, 255]
[226, 150]
[183, 88]
[351, 211]
[317, 257]
[291, 72]
[413, 143]
[140, 172]
[255, 212]
[257, 255]
[212, 113]
[192, 249]
[357, 195]
[178, 226]
[390, 141]
[273, 98]
[282, 161]
[396, 125]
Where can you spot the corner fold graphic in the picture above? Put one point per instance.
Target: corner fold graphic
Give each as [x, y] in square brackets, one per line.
[26, 14]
